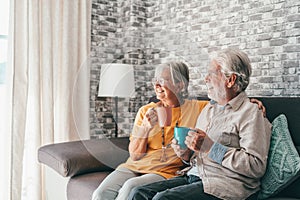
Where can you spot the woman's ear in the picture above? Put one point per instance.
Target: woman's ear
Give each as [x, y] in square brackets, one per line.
[178, 87]
[231, 80]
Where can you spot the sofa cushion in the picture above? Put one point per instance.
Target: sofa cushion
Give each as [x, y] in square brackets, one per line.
[82, 186]
[283, 161]
[79, 157]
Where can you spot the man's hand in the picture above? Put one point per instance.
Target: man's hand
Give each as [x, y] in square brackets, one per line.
[197, 140]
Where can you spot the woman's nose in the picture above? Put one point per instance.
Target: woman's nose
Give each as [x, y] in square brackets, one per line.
[157, 84]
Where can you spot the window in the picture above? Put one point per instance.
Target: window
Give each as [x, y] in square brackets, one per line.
[3, 56]
[4, 16]
[4, 140]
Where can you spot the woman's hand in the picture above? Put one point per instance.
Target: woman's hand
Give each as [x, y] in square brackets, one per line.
[260, 106]
[197, 140]
[181, 153]
[150, 119]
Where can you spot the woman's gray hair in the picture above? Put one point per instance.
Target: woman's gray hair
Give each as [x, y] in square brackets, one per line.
[234, 61]
[179, 73]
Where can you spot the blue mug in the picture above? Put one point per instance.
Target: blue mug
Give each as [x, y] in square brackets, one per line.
[180, 134]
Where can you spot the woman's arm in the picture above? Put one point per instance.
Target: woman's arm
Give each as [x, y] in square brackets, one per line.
[137, 148]
[260, 105]
[138, 145]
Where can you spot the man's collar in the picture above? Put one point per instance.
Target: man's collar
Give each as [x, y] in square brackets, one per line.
[235, 103]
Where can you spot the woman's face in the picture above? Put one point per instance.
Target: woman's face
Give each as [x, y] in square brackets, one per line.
[164, 87]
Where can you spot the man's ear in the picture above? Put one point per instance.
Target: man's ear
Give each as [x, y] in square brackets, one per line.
[231, 80]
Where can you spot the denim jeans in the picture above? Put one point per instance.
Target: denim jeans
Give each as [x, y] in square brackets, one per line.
[182, 187]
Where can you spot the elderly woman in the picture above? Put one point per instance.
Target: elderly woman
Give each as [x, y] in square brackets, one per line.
[151, 157]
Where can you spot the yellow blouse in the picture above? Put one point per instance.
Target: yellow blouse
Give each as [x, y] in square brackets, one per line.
[186, 115]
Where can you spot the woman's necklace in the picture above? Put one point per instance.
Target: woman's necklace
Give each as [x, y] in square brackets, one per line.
[163, 157]
[164, 147]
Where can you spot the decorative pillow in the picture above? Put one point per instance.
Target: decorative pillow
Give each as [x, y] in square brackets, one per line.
[283, 160]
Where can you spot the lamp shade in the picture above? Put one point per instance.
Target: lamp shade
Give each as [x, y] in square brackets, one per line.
[116, 80]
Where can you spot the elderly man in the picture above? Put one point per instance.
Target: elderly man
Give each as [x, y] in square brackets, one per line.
[228, 148]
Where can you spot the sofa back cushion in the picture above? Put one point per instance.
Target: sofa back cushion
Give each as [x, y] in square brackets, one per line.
[290, 107]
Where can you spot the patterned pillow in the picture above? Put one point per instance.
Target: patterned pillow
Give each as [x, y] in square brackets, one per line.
[283, 160]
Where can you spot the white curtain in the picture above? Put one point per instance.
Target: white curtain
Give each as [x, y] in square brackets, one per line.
[47, 86]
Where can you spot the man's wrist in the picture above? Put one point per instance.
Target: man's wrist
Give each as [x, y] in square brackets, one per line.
[207, 144]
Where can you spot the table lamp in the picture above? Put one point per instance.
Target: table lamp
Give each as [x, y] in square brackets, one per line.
[116, 80]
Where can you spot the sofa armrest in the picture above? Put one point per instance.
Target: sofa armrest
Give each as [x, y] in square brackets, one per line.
[79, 157]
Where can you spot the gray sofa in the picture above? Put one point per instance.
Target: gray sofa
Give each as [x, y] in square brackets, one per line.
[88, 162]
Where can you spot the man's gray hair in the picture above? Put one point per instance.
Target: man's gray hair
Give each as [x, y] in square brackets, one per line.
[234, 61]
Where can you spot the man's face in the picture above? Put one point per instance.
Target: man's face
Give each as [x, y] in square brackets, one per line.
[216, 83]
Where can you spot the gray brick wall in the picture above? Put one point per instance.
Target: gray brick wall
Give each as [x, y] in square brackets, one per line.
[146, 33]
